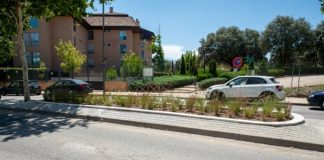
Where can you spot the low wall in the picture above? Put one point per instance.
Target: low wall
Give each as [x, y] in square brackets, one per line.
[116, 86]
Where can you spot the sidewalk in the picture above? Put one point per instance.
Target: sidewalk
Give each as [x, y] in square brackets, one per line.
[308, 135]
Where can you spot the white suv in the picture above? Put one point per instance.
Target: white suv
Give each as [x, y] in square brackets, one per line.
[247, 87]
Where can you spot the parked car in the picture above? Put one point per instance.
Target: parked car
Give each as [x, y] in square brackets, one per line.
[316, 99]
[66, 87]
[247, 87]
[17, 87]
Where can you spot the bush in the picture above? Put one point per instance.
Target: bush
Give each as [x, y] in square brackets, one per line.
[162, 83]
[111, 74]
[211, 81]
[262, 70]
[230, 75]
[132, 65]
[203, 76]
[276, 72]
[213, 68]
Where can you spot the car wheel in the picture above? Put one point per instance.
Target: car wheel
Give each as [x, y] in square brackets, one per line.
[266, 95]
[322, 104]
[53, 97]
[217, 95]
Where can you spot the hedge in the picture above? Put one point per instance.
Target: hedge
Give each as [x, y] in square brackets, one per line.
[211, 81]
[231, 75]
[203, 76]
[276, 72]
[162, 83]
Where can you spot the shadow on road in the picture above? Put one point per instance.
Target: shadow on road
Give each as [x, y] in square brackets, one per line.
[316, 109]
[15, 125]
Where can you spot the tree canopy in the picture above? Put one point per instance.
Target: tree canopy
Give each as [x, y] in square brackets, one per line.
[287, 39]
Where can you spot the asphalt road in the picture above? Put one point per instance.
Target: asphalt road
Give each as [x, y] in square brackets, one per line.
[312, 112]
[38, 137]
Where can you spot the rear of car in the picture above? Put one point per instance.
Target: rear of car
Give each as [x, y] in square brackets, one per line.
[316, 99]
[17, 87]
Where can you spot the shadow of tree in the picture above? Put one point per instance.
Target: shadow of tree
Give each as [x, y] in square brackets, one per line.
[17, 124]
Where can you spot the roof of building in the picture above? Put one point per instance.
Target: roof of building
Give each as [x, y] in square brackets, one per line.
[111, 20]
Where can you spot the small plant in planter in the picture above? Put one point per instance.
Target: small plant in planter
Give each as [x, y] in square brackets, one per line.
[120, 100]
[164, 103]
[234, 108]
[129, 101]
[176, 103]
[190, 103]
[267, 108]
[200, 103]
[250, 112]
[144, 100]
[215, 106]
[151, 104]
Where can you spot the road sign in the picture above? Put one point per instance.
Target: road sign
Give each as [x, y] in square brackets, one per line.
[237, 62]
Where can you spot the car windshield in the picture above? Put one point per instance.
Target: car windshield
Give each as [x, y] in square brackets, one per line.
[77, 81]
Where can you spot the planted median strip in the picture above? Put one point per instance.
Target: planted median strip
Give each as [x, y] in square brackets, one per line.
[267, 110]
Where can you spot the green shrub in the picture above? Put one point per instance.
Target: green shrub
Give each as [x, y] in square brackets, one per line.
[190, 103]
[176, 102]
[276, 72]
[132, 65]
[203, 76]
[213, 68]
[267, 108]
[214, 106]
[162, 83]
[231, 75]
[234, 107]
[111, 74]
[200, 103]
[212, 81]
[262, 69]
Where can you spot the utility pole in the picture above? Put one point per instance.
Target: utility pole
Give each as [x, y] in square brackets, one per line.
[103, 47]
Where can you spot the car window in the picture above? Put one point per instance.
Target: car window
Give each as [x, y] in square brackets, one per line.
[76, 81]
[67, 83]
[240, 81]
[273, 80]
[14, 84]
[255, 80]
[57, 84]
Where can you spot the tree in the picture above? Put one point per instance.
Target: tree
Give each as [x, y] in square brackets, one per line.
[252, 44]
[319, 42]
[213, 68]
[132, 65]
[71, 58]
[182, 66]
[158, 51]
[322, 6]
[287, 39]
[263, 69]
[22, 10]
[7, 30]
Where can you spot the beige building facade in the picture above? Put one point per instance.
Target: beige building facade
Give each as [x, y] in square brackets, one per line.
[122, 34]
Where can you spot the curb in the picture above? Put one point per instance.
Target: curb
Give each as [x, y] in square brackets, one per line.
[241, 137]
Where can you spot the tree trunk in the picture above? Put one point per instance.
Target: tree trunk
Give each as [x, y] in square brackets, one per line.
[21, 48]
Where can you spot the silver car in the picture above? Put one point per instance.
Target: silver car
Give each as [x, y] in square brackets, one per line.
[247, 87]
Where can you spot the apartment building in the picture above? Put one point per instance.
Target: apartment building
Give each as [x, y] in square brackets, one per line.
[122, 33]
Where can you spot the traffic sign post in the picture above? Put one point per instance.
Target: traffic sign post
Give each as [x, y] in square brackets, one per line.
[237, 63]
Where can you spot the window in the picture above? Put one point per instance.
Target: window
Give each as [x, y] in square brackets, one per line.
[142, 54]
[256, 80]
[33, 22]
[90, 49]
[34, 37]
[90, 35]
[26, 39]
[122, 35]
[90, 61]
[142, 44]
[239, 81]
[33, 59]
[123, 48]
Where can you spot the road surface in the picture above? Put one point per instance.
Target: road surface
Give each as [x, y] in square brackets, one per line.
[32, 136]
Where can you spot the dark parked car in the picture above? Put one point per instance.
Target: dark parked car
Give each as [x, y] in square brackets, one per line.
[63, 88]
[16, 87]
[316, 98]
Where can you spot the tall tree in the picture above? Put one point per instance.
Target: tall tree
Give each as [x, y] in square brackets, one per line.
[7, 30]
[322, 5]
[182, 66]
[252, 44]
[158, 51]
[22, 10]
[71, 58]
[319, 42]
[287, 39]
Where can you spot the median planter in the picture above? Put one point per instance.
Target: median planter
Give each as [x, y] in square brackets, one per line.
[116, 85]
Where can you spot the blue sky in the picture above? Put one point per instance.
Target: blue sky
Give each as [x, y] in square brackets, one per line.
[184, 22]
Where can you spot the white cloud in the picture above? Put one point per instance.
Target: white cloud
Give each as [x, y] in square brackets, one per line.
[172, 51]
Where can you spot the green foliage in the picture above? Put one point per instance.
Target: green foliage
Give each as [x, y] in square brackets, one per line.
[157, 49]
[215, 106]
[286, 37]
[200, 103]
[165, 82]
[322, 6]
[183, 66]
[276, 72]
[203, 76]
[111, 73]
[71, 58]
[262, 69]
[234, 107]
[250, 112]
[212, 81]
[132, 65]
[6, 49]
[231, 75]
[229, 42]
[190, 103]
[213, 68]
